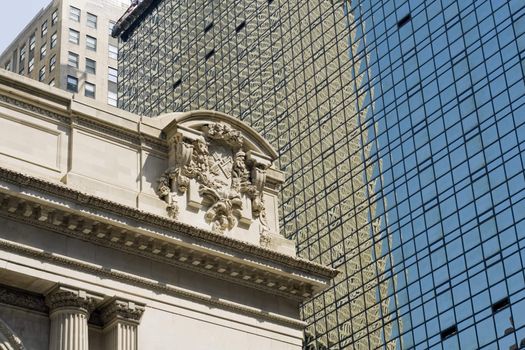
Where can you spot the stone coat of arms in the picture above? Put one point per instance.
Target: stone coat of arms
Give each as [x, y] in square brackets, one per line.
[228, 178]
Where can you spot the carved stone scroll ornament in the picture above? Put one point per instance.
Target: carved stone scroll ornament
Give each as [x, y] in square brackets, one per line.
[217, 162]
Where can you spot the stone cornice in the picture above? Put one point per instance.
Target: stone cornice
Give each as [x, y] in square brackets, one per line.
[147, 283]
[131, 17]
[85, 199]
[106, 235]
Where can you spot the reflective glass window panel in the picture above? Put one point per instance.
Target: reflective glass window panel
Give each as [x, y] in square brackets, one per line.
[91, 20]
[74, 36]
[113, 51]
[52, 63]
[72, 59]
[112, 74]
[91, 43]
[43, 51]
[89, 90]
[91, 66]
[54, 17]
[43, 29]
[42, 74]
[112, 98]
[53, 40]
[74, 13]
[72, 83]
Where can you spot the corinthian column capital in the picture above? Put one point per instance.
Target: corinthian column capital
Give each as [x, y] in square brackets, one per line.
[69, 310]
[122, 310]
[68, 297]
[121, 320]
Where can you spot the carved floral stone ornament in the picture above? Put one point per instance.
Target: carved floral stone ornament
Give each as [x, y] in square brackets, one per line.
[215, 169]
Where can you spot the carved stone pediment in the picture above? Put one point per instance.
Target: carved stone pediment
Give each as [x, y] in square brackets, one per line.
[218, 177]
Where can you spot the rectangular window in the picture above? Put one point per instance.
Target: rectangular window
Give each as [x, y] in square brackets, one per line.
[32, 42]
[112, 74]
[7, 66]
[52, 63]
[91, 43]
[54, 18]
[72, 59]
[91, 20]
[111, 26]
[91, 66]
[31, 65]
[112, 98]
[113, 51]
[53, 40]
[72, 84]
[89, 90]
[22, 54]
[74, 36]
[43, 51]
[42, 74]
[74, 14]
[43, 29]
[52, 82]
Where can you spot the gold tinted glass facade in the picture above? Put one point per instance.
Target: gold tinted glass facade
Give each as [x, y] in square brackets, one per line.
[283, 67]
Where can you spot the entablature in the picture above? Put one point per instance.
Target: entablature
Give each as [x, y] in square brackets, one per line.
[58, 208]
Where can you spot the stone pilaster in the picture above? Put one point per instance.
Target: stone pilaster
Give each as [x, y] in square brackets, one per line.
[69, 311]
[121, 319]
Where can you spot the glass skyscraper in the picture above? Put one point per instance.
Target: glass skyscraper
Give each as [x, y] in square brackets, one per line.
[401, 127]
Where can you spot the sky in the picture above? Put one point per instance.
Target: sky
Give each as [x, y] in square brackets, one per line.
[15, 15]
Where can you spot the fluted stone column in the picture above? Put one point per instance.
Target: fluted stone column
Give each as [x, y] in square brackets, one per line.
[69, 311]
[121, 319]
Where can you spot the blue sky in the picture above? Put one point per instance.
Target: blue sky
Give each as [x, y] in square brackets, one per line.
[15, 15]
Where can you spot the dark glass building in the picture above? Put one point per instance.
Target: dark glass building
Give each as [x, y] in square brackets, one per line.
[401, 126]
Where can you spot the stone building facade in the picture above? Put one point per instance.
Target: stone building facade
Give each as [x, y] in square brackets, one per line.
[68, 44]
[123, 232]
